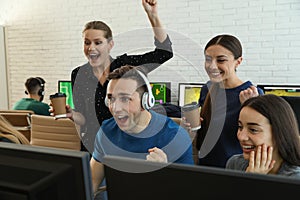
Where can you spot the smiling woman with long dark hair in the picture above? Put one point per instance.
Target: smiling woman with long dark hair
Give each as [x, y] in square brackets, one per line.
[269, 136]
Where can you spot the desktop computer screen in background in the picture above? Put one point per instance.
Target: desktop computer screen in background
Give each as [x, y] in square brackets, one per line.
[291, 93]
[188, 93]
[281, 90]
[161, 92]
[65, 86]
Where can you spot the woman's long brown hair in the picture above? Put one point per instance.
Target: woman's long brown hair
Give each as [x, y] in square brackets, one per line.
[206, 115]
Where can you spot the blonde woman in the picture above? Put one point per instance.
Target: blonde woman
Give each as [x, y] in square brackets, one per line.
[9, 134]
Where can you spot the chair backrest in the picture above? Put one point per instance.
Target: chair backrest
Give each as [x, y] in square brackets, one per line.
[17, 111]
[50, 132]
[19, 119]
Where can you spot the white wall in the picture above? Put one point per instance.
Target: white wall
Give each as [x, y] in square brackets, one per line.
[3, 73]
[44, 37]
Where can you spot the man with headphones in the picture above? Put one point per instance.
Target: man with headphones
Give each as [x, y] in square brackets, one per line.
[35, 89]
[135, 130]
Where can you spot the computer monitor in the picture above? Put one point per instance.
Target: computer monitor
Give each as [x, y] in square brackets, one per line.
[41, 173]
[291, 93]
[294, 102]
[161, 92]
[65, 86]
[281, 90]
[188, 93]
[134, 179]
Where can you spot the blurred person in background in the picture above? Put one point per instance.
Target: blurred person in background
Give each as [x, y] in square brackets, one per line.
[35, 89]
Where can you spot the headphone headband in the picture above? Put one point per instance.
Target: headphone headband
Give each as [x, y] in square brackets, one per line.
[148, 99]
[41, 81]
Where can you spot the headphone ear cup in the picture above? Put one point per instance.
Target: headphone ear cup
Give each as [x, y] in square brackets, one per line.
[41, 81]
[41, 92]
[151, 100]
[106, 101]
[147, 100]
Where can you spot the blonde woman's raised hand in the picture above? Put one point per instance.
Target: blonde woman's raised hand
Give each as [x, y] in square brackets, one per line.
[150, 6]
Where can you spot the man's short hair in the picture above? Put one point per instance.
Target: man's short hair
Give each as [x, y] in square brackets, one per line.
[130, 72]
[34, 84]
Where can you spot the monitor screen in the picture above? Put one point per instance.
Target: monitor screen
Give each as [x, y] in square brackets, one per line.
[294, 102]
[31, 172]
[134, 179]
[281, 90]
[188, 93]
[65, 86]
[161, 92]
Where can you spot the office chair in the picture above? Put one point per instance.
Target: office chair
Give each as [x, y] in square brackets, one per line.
[50, 132]
[19, 119]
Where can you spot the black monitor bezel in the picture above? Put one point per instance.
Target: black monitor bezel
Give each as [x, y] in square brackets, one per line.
[181, 93]
[266, 87]
[77, 162]
[181, 181]
[168, 89]
[58, 88]
[63, 81]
